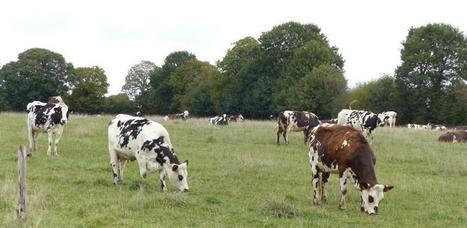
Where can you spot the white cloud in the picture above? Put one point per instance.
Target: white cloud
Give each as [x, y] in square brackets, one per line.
[118, 34]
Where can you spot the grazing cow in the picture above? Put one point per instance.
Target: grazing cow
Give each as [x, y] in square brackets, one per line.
[454, 136]
[235, 118]
[295, 121]
[436, 127]
[388, 118]
[184, 116]
[46, 117]
[343, 148]
[361, 120]
[136, 138]
[219, 120]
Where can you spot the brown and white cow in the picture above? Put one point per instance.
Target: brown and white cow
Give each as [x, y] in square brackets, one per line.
[454, 136]
[343, 148]
[184, 116]
[295, 121]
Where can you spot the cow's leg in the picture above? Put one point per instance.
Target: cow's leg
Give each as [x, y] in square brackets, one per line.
[161, 179]
[284, 134]
[279, 131]
[50, 144]
[58, 136]
[324, 185]
[32, 136]
[343, 188]
[121, 167]
[304, 134]
[315, 183]
[142, 163]
[114, 166]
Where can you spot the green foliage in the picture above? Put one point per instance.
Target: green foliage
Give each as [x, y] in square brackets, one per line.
[89, 87]
[37, 75]
[192, 85]
[376, 96]
[322, 90]
[138, 78]
[120, 103]
[160, 95]
[434, 61]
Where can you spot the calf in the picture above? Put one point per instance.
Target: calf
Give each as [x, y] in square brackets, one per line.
[46, 117]
[148, 142]
[388, 118]
[219, 120]
[343, 148]
[454, 136]
[295, 121]
[184, 116]
[365, 121]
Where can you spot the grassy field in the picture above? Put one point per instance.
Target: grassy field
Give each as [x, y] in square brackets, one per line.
[238, 177]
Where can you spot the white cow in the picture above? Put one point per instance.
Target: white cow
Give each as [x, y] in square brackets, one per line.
[46, 117]
[148, 142]
[388, 118]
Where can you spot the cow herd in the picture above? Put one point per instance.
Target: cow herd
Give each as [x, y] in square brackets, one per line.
[341, 144]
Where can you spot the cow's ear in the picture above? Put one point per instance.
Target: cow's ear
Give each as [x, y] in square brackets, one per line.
[186, 161]
[175, 168]
[387, 188]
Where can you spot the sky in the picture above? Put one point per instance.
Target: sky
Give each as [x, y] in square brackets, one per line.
[116, 35]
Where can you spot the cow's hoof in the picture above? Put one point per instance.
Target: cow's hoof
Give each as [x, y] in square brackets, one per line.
[342, 207]
[324, 200]
[29, 155]
[315, 201]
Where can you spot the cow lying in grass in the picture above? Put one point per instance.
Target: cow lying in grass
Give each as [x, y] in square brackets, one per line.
[454, 136]
[50, 118]
[343, 148]
[136, 138]
[183, 116]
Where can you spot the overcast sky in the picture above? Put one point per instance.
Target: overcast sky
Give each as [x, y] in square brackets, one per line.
[115, 35]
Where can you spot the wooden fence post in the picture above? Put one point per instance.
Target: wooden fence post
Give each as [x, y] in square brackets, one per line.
[21, 210]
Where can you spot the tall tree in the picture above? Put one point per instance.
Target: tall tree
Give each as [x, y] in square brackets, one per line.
[37, 75]
[376, 96]
[434, 58]
[89, 85]
[119, 103]
[160, 95]
[138, 78]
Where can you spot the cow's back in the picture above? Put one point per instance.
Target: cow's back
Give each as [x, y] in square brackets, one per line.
[127, 134]
[342, 116]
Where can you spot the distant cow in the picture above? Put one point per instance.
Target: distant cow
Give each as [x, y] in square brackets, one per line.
[148, 142]
[235, 118]
[295, 121]
[388, 118]
[436, 127]
[365, 121]
[454, 136]
[46, 117]
[343, 148]
[219, 120]
[184, 116]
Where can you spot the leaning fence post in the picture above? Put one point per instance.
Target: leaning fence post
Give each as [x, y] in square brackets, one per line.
[21, 210]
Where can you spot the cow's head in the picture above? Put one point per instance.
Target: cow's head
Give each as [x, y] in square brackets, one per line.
[60, 114]
[241, 117]
[372, 196]
[178, 174]
[186, 114]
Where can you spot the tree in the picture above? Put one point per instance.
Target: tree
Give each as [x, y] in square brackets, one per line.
[322, 90]
[376, 96]
[192, 86]
[160, 96]
[434, 59]
[119, 103]
[89, 87]
[37, 75]
[138, 78]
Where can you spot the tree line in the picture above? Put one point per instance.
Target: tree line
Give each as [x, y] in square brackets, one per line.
[292, 66]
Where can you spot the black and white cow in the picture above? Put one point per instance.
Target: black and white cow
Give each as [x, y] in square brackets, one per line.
[148, 142]
[219, 120]
[364, 121]
[388, 118]
[46, 117]
[295, 121]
